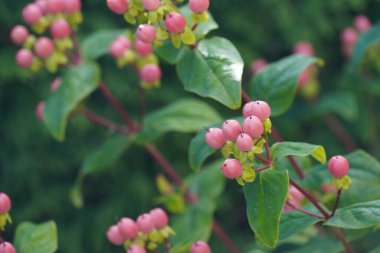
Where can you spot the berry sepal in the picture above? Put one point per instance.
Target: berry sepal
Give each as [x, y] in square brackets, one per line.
[342, 183]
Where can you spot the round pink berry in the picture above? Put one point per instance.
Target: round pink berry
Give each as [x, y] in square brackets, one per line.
[124, 41]
[214, 138]
[175, 23]
[60, 29]
[118, 6]
[253, 126]
[39, 111]
[160, 218]
[328, 188]
[44, 47]
[291, 204]
[338, 166]
[71, 6]
[19, 34]
[114, 235]
[303, 47]
[136, 249]
[296, 194]
[55, 84]
[7, 247]
[31, 14]
[362, 23]
[43, 5]
[200, 247]
[349, 36]
[257, 66]
[142, 48]
[24, 58]
[303, 79]
[117, 49]
[5, 203]
[198, 6]
[231, 129]
[244, 142]
[257, 108]
[145, 223]
[231, 168]
[127, 228]
[150, 73]
[55, 6]
[146, 33]
[151, 5]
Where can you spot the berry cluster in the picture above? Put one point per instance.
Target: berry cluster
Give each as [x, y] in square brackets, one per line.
[5, 207]
[240, 143]
[350, 35]
[61, 17]
[149, 230]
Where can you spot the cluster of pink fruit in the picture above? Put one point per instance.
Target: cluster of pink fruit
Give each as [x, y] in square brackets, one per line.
[350, 34]
[5, 207]
[242, 142]
[61, 17]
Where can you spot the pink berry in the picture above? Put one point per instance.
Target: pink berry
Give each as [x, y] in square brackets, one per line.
[60, 29]
[136, 249]
[145, 223]
[31, 14]
[291, 204]
[175, 23]
[127, 228]
[338, 166]
[214, 138]
[118, 6]
[151, 5]
[146, 33]
[231, 168]
[349, 36]
[142, 48]
[198, 6]
[24, 58]
[39, 111]
[244, 142]
[258, 65]
[114, 235]
[303, 79]
[117, 49]
[124, 41]
[253, 126]
[257, 108]
[362, 23]
[303, 47]
[19, 34]
[7, 247]
[44, 47]
[71, 6]
[55, 84]
[200, 247]
[55, 6]
[150, 73]
[328, 188]
[231, 129]
[43, 5]
[160, 218]
[5, 203]
[296, 194]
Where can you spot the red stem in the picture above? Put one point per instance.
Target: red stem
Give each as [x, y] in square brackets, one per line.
[267, 150]
[341, 133]
[304, 211]
[226, 240]
[338, 195]
[92, 117]
[343, 239]
[262, 159]
[245, 96]
[267, 166]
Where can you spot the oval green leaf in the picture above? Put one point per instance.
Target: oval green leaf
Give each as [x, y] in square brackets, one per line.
[283, 149]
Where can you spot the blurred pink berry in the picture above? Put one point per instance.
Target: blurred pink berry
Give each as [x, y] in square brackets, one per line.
[296, 194]
[60, 29]
[142, 48]
[151, 5]
[24, 57]
[118, 6]
[303, 79]
[31, 14]
[150, 73]
[362, 23]
[257, 66]
[136, 249]
[7, 247]
[198, 6]
[231, 168]
[214, 138]
[145, 223]
[127, 228]
[253, 126]
[19, 34]
[39, 111]
[294, 200]
[124, 41]
[258, 108]
[55, 6]
[349, 36]
[71, 6]
[44, 47]
[146, 33]
[55, 84]
[160, 218]
[5, 203]
[117, 49]
[303, 47]
[244, 142]
[43, 5]
[338, 166]
[175, 23]
[328, 188]
[114, 235]
[231, 129]
[200, 247]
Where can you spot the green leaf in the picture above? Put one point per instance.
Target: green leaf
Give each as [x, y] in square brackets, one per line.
[356, 216]
[169, 53]
[214, 69]
[97, 44]
[265, 199]
[283, 149]
[77, 83]
[319, 244]
[185, 115]
[199, 150]
[277, 83]
[204, 27]
[294, 222]
[36, 238]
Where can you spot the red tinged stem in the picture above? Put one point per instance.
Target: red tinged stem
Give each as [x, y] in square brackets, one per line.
[338, 195]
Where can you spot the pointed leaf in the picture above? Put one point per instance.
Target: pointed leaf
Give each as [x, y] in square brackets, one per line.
[283, 149]
[294, 222]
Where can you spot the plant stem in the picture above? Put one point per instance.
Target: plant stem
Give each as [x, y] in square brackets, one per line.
[267, 150]
[338, 195]
[226, 240]
[343, 239]
[267, 166]
[167, 245]
[245, 96]
[262, 159]
[304, 211]
[341, 133]
[142, 107]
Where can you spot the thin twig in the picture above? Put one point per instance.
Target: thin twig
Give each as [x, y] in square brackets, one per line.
[343, 239]
[304, 211]
[266, 166]
[167, 245]
[262, 159]
[341, 133]
[226, 240]
[338, 195]
[267, 150]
